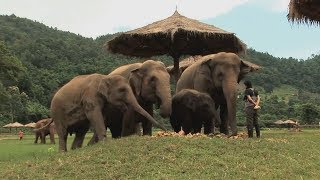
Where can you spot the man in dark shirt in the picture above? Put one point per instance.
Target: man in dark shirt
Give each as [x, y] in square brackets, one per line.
[252, 100]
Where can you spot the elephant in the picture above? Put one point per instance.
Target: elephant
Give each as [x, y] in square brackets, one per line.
[191, 110]
[50, 130]
[150, 83]
[81, 103]
[218, 75]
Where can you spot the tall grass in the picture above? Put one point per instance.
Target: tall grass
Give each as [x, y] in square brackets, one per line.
[279, 154]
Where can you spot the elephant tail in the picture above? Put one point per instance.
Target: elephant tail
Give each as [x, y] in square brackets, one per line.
[43, 127]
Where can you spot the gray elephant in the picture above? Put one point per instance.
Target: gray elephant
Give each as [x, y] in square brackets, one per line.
[49, 130]
[82, 102]
[150, 83]
[191, 110]
[218, 75]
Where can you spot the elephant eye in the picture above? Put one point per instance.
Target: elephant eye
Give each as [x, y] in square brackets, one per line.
[153, 78]
[122, 89]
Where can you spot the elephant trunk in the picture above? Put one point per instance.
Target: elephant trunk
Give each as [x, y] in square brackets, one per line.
[135, 105]
[164, 94]
[230, 93]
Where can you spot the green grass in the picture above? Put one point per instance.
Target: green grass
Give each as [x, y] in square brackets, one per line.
[279, 154]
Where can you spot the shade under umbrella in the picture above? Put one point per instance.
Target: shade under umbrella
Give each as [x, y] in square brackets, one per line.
[304, 11]
[30, 125]
[176, 35]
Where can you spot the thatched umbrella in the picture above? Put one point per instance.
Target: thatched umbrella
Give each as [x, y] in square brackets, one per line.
[30, 125]
[176, 35]
[304, 11]
[7, 125]
[16, 125]
[278, 122]
[13, 125]
[289, 122]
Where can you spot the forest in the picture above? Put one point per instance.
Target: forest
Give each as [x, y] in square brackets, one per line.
[35, 60]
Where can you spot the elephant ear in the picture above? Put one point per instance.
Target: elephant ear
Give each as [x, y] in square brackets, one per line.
[246, 67]
[135, 81]
[162, 64]
[103, 86]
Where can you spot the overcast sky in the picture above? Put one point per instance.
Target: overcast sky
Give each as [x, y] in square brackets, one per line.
[261, 24]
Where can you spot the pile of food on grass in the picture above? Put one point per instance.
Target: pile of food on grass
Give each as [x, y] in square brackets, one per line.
[241, 135]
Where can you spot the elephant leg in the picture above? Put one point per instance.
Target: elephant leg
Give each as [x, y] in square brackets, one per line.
[147, 125]
[43, 138]
[187, 123]
[96, 119]
[224, 119]
[128, 123]
[78, 140]
[115, 125]
[196, 124]
[62, 134]
[37, 137]
[52, 141]
[93, 140]
[115, 130]
[146, 128]
[208, 126]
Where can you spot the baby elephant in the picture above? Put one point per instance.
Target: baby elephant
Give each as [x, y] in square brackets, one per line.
[190, 110]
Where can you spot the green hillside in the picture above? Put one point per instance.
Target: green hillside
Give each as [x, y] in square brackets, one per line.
[36, 60]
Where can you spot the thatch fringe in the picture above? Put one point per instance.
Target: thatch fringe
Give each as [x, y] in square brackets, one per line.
[304, 11]
[177, 34]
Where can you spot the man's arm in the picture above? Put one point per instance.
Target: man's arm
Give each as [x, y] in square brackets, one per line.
[258, 100]
[251, 100]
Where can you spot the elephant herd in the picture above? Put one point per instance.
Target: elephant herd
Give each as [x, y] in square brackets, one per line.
[124, 99]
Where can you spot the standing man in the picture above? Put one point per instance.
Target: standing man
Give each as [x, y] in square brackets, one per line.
[252, 100]
[20, 133]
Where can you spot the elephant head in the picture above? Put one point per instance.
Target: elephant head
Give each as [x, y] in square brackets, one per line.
[116, 90]
[224, 71]
[151, 83]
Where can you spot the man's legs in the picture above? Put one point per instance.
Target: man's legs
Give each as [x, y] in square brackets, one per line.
[256, 124]
[249, 116]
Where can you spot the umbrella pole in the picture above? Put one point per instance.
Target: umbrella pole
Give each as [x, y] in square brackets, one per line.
[176, 68]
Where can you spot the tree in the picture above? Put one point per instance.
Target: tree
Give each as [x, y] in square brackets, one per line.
[309, 113]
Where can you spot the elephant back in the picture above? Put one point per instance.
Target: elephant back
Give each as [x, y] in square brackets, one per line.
[125, 70]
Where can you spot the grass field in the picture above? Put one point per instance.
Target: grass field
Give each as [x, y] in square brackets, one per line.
[279, 154]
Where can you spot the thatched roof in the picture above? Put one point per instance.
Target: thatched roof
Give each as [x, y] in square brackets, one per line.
[304, 11]
[30, 125]
[176, 35]
[7, 125]
[289, 122]
[13, 125]
[278, 122]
